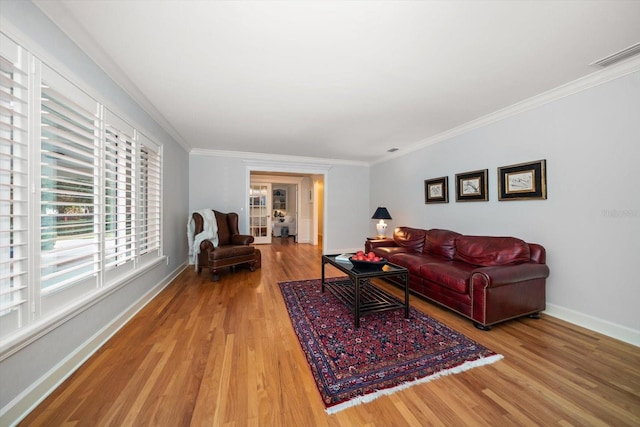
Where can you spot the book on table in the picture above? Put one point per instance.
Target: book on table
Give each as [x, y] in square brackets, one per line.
[343, 257]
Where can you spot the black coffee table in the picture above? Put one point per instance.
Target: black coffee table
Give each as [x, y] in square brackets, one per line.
[362, 296]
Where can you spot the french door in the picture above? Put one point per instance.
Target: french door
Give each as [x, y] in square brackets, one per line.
[260, 212]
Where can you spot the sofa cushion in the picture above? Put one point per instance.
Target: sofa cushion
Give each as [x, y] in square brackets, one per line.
[450, 274]
[387, 252]
[441, 242]
[488, 251]
[408, 237]
[412, 261]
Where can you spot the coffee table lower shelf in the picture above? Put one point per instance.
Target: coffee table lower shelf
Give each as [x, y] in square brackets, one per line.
[358, 293]
[372, 298]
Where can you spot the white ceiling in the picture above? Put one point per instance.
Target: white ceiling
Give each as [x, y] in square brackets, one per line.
[338, 79]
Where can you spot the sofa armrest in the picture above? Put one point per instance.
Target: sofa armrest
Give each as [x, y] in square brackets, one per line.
[371, 244]
[507, 274]
[241, 239]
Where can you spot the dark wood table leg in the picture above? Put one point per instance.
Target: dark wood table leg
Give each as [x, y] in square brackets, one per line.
[357, 303]
[406, 295]
[323, 264]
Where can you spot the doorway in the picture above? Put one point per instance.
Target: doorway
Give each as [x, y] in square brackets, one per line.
[294, 202]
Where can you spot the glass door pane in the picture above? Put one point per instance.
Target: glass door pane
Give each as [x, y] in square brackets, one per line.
[260, 212]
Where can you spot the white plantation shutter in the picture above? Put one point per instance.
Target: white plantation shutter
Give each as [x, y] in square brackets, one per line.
[80, 197]
[149, 196]
[70, 190]
[120, 192]
[14, 278]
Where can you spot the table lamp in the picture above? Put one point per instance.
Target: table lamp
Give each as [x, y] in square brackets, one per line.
[381, 213]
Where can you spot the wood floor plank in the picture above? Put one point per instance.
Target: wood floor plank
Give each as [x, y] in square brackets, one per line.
[224, 353]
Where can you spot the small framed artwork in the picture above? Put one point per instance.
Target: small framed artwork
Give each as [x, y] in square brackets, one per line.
[436, 190]
[524, 181]
[472, 186]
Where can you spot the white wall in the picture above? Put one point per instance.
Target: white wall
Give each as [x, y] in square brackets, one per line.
[27, 375]
[590, 223]
[347, 216]
[217, 182]
[220, 181]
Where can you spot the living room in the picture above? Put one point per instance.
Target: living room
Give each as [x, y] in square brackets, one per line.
[586, 130]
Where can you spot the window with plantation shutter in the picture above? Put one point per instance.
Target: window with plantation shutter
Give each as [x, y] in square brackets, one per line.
[70, 186]
[80, 197]
[120, 192]
[14, 277]
[149, 196]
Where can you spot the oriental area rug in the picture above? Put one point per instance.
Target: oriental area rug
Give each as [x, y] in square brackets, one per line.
[386, 354]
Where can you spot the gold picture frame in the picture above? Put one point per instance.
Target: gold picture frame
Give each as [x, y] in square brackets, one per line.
[523, 181]
[472, 186]
[436, 190]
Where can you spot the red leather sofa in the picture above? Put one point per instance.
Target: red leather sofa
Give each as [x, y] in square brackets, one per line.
[487, 279]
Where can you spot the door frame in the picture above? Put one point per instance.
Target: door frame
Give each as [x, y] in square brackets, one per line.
[293, 168]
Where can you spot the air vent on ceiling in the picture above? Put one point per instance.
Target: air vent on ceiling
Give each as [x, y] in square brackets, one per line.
[618, 56]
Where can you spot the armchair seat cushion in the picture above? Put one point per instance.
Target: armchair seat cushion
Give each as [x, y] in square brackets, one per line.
[230, 251]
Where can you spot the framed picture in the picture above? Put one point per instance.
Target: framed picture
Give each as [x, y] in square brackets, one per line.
[472, 186]
[436, 190]
[524, 181]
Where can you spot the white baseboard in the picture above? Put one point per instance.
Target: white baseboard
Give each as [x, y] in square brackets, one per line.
[610, 329]
[29, 399]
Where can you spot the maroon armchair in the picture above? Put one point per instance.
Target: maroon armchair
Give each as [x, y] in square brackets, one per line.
[233, 248]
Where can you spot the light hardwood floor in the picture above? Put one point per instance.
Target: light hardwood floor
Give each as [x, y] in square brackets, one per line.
[225, 354]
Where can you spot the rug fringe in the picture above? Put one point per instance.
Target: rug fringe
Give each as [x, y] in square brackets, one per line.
[388, 391]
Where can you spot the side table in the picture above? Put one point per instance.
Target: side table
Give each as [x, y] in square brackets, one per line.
[367, 244]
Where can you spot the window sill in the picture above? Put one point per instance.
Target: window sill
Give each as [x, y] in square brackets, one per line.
[23, 337]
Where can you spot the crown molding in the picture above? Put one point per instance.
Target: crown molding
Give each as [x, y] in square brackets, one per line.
[589, 81]
[262, 158]
[58, 14]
